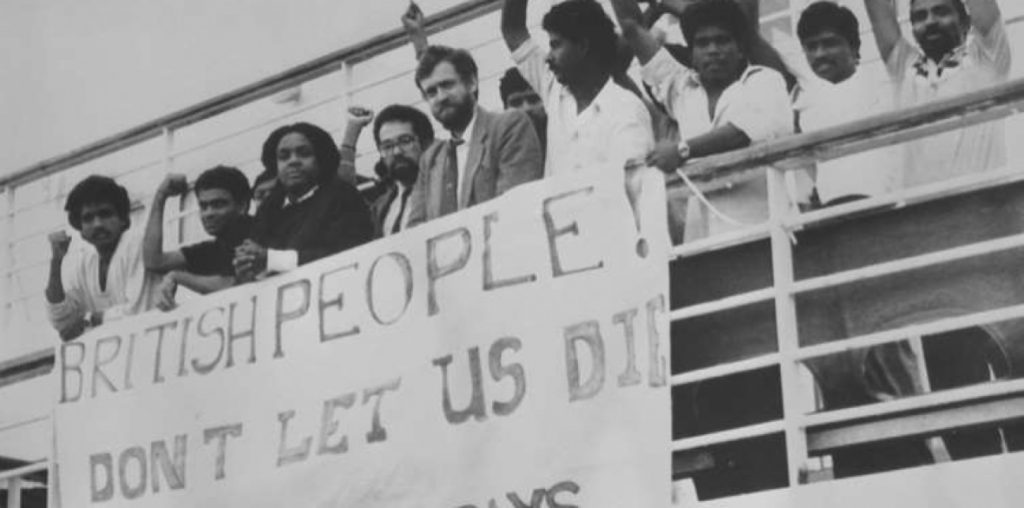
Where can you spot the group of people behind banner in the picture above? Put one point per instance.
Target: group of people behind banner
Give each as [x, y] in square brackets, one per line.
[570, 107]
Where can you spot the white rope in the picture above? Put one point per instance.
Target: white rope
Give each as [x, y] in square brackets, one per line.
[704, 200]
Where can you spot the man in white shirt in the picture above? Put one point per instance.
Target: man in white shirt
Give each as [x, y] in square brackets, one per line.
[106, 282]
[402, 133]
[963, 48]
[722, 103]
[486, 153]
[832, 90]
[593, 123]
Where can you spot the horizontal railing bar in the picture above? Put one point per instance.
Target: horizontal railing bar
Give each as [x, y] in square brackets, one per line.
[35, 467]
[26, 367]
[898, 334]
[917, 402]
[728, 436]
[719, 242]
[921, 423]
[726, 369]
[910, 263]
[259, 125]
[872, 132]
[924, 193]
[727, 303]
[24, 423]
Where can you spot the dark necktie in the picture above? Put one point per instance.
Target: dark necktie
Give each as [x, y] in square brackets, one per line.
[450, 179]
[404, 198]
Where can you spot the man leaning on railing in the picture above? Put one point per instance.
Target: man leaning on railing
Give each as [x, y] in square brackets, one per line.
[223, 196]
[721, 102]
[106, 281]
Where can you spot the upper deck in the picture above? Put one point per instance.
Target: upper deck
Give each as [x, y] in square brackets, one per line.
[800, 290]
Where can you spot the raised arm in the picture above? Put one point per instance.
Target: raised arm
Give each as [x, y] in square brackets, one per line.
[513, 24]
[153, 255]
[984, 14]
[64, 310]
[884, 24]
[413, 22]
[358, 119]
[640, 39]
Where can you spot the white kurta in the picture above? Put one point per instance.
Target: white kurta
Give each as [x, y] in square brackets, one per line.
[982, 61]
[130, 288]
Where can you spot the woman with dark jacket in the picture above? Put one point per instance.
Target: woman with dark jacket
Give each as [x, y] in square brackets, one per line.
[310, 214]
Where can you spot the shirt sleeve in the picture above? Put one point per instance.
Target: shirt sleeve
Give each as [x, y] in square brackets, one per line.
[763, 110]
[280, 261]
[633, 136]
[530, 60]
[66, 314]
[992, 49]
[667, 79]
[902, 58]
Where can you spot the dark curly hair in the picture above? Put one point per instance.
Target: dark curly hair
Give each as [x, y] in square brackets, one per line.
[96, 189]
[407, 114]
[227, 178]
[324, 149]
[463, 62]
[826, 15]
[512, 82]
[584, 21]
[724, 14]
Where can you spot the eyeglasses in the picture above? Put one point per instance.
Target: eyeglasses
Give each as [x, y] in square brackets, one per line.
[403, 141]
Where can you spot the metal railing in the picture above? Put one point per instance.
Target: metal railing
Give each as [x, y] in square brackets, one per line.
[783, 155]
[796, 152]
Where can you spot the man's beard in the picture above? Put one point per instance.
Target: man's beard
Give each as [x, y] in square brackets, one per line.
[458, 118]
[938, 47]
[403, 169]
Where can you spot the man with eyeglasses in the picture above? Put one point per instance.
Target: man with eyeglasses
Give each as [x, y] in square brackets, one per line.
[401, 133]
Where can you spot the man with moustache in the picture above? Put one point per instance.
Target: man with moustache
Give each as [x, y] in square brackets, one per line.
[401, 133]
[594, 124]
[204, 267]
[963, 48]
[106, 282]
[486, 153]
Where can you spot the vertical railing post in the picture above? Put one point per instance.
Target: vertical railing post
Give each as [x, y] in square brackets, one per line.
[7, 259]
[168, 137]
[786, 323]
[14, 492]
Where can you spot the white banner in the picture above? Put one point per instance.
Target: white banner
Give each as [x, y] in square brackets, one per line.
[513, 355]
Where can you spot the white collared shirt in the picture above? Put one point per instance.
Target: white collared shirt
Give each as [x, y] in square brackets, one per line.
[613, 129]
[288, 201]
[462, 151]
[821, 104]
[130, 288]
[982, 61]
[757, 104]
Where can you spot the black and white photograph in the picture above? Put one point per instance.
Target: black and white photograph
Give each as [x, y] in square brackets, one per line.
[512, 253]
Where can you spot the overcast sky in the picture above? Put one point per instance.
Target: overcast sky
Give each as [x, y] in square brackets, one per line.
[75, 71]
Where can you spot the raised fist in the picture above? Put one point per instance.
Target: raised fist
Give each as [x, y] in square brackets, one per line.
[59, 242]
[173, 184]
[360, 116]
[412, 19]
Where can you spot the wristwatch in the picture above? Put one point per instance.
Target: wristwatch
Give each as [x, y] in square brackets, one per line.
[684, 150]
